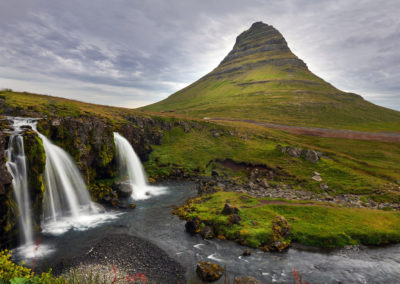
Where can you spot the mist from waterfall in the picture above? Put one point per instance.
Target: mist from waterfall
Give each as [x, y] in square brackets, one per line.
[17, 166]
[132, 171]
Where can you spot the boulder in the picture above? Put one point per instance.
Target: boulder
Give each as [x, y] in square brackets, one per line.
[317, 178]
[124, 189]
[294, 151]
[234, 219]
[207, 233]
[246, 280]
[311, 155]
[246, 252]
[209, 272]
[192, 226]
[229, 209]
[280, 231]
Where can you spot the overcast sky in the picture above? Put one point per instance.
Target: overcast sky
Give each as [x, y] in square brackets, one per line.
[131, 53]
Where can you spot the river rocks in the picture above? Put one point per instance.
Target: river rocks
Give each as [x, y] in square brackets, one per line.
[209, 272]
[246, 252]
[246, 280]
[207, 233]
[280, 232]
[192, 226]
[124, 189]
[229, 209]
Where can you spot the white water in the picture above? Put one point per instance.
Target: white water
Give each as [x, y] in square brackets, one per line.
[132, 169]
[17, 166]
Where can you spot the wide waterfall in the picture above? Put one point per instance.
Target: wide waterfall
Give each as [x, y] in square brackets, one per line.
[131, 169]
[16, 165]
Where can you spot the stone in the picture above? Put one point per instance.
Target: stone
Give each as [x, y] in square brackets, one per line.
[191, 226]
[234, 219]
[294, 152]
[317, 178]
[311, 156]
[279, 239]
[209, 272]
[124, 189]
[246, 280]
[207, 233]
[246, 252]
[132, 206]
[229, 209]
[98, 207]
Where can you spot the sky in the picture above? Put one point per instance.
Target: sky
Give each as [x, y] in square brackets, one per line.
[131, 53]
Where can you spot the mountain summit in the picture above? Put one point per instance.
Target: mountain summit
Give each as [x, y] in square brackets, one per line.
[261, 79]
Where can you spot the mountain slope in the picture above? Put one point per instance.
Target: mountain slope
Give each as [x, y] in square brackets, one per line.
[261, 79]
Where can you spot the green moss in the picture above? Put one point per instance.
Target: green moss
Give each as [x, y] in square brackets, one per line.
[319, 224]
[36, 164]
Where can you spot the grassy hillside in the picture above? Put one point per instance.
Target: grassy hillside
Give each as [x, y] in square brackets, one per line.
[261, 79]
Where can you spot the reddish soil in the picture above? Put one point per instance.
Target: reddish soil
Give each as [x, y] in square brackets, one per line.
[325, 132]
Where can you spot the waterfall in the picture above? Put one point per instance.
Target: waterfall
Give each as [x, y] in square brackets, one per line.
[132, 169]
[16, 165]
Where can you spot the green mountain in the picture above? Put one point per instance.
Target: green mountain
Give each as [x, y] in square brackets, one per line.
[261, 79]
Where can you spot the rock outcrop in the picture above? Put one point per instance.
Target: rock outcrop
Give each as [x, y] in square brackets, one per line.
[209, 272]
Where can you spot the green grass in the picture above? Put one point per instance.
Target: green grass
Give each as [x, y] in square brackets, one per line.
[367, 168]
[284, 94]
[312, 223]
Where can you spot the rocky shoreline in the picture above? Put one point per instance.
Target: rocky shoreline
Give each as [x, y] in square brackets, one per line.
[124, 258]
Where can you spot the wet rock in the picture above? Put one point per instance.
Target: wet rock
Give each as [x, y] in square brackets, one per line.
[246, 252]
[132, 206]
[192, 226]
[246, 280]
[280, 233]
[229, 209]
[207, 233]
[209, 272]
[98, 207]
[124, 189]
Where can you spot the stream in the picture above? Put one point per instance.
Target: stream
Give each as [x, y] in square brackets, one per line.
[152, 220]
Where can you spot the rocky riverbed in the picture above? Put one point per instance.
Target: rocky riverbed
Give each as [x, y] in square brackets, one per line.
[137, 260]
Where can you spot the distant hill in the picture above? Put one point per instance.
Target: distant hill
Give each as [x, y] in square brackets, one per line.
[261, 79]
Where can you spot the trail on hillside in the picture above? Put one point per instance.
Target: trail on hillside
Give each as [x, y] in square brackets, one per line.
[323, 132]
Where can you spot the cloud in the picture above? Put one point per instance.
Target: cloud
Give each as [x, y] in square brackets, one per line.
[137, 52]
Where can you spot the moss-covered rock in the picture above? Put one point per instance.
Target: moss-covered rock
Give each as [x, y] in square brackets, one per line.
[209, 272]
[36, 165]
[280, 235]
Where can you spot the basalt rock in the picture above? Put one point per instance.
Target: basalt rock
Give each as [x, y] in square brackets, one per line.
[124, 189]
[229, 209]
[207, 233]
[280, 232]
[209, 272]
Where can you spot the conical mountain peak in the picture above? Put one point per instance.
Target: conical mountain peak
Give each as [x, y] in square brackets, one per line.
[261, 79]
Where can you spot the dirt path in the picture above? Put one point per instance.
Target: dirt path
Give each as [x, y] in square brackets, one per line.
[324, 132]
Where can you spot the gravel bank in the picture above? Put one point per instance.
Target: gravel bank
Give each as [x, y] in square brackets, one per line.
[128, 258]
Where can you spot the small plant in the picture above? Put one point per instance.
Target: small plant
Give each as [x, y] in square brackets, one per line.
[297, 277]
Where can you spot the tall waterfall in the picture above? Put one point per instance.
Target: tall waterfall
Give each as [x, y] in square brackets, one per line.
[17, 166]
[132, 169]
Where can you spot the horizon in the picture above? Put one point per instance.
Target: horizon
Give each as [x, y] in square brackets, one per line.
[76, 56]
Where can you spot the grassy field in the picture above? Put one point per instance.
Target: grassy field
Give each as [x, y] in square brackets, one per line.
[312, 223]
[272, 86]
[368, 168]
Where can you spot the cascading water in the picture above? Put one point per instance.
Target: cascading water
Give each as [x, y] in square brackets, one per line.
[131, 167]
[66, 193]
[17, 166]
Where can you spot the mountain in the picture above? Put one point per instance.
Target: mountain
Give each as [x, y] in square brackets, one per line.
[261, 79]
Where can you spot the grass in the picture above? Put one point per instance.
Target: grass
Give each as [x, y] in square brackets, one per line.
[312, 223]
[283, 94]
[367, 168]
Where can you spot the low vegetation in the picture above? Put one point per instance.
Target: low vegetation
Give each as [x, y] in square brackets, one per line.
[312, 223]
